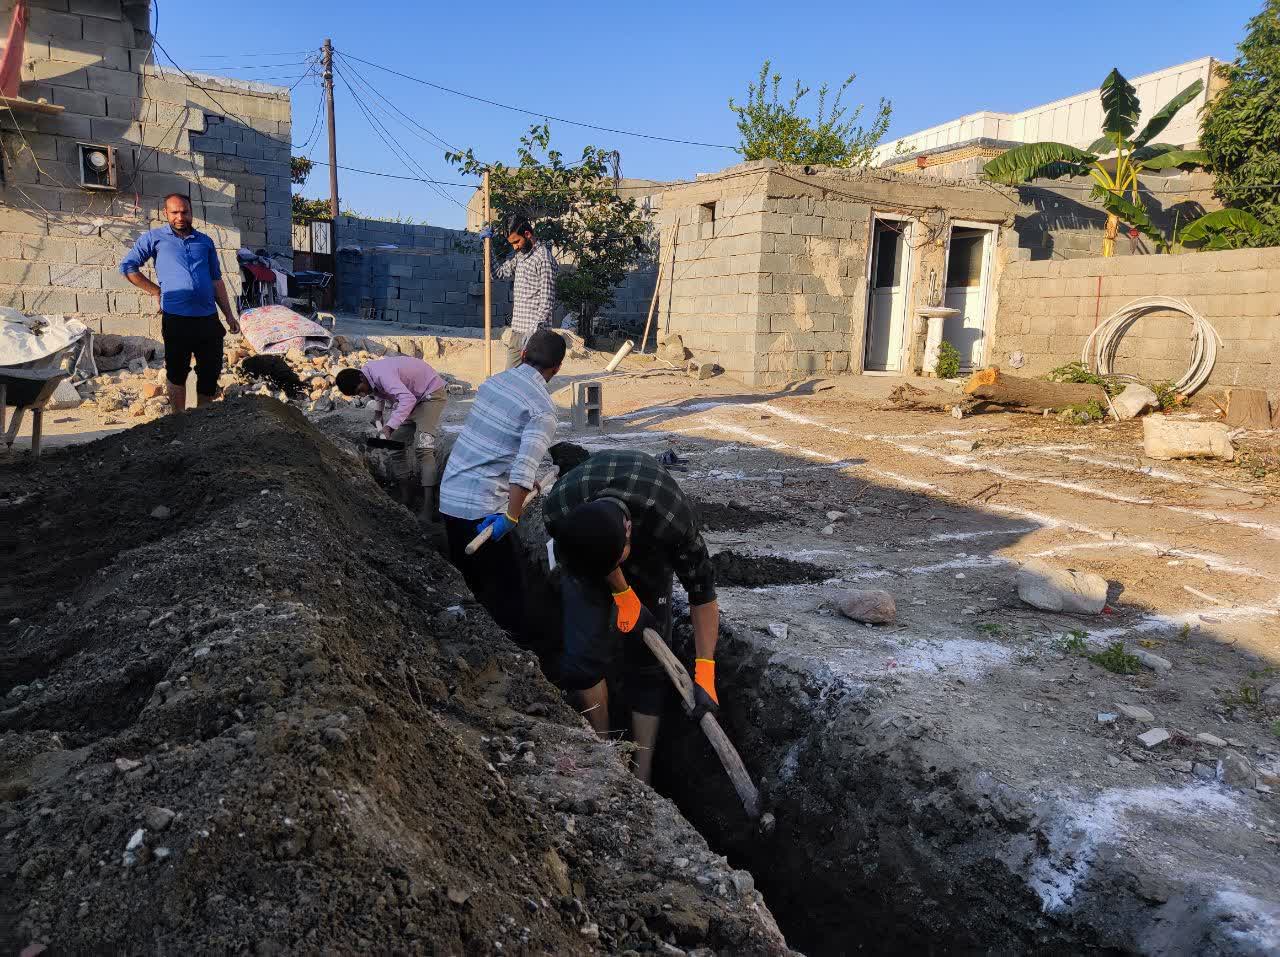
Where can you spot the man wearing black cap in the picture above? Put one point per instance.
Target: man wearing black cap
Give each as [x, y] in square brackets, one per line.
[622, 529]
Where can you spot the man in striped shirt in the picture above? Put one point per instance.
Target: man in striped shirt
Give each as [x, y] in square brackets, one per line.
[491, 471]
[532, 270]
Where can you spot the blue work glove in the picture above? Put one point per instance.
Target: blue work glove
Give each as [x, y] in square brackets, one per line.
[500, 522]
[486, 233]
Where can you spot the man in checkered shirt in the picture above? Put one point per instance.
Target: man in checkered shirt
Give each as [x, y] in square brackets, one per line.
[622, 529]
[532, 269]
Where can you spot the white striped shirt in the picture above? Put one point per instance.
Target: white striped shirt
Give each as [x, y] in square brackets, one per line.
[506, 435]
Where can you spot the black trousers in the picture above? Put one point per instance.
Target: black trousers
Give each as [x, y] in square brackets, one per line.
[594, 648]
[495, 574]
[187, 336]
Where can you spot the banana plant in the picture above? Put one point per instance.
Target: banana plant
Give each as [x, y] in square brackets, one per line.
[1114, 161]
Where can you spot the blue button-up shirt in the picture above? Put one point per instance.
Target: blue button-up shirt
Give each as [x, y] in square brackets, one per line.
[186, 268]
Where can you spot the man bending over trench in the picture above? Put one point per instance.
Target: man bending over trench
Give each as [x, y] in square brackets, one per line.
[622, 527]
[492, 469]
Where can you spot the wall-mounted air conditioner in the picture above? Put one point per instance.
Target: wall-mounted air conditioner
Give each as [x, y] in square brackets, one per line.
[97, 166]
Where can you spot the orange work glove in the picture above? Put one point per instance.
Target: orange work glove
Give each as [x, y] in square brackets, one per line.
[704, 676]
[629, 608]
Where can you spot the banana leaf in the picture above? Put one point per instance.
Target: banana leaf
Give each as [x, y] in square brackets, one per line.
[1119, 105]
[1176, 158]
[1155, 126]
[1210, 228]
[1024, 163]
[1152, 149]
[1131, 213]
[1103, 145]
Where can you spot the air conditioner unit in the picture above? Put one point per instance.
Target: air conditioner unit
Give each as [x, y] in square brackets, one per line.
[97, 166]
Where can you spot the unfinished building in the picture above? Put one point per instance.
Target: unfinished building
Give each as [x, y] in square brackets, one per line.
[779, 272]
[98, 134]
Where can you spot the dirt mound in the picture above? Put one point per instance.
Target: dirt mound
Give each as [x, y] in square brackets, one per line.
[753, 571]
[733, 516]
[246, 708]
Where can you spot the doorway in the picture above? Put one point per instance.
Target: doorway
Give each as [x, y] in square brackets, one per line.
[969, 248]
[888, 271]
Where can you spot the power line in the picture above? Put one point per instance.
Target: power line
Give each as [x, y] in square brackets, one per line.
[390, 141]
[540, 113]
[369, 86]
[227, 56]
[416, 179]
[315, 128]
[258, 66]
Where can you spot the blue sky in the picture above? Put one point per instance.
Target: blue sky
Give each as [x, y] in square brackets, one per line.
[664, 68]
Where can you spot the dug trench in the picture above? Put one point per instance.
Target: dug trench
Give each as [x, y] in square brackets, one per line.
[244, 708]
[890, 838]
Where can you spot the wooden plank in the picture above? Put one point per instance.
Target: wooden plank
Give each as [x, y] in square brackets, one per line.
[20, 105]
[1248, 409]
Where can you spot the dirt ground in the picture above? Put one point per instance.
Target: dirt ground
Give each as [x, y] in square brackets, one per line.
[245, 708]
[970, 774]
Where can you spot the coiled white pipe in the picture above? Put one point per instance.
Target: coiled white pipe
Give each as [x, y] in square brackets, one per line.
[1099, 352]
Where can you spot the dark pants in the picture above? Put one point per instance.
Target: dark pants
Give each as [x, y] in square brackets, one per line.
[198, 336]
[494, 574]
[594, 648]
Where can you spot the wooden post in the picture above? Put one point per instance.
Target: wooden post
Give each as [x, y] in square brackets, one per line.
[334, 208]
[488, 281]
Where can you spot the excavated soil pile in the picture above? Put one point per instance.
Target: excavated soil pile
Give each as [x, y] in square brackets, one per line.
[245, 708]
[754, 571]
[732, 516]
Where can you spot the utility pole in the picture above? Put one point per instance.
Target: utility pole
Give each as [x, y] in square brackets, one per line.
[488, 300]
[333, 160]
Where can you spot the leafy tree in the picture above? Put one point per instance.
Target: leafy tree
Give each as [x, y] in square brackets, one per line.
[597, 235]
[1241, 131]
[305, 210]
[772, 129]
[1113, 161]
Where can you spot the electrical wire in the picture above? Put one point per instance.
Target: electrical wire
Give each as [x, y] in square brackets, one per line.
[415, 179]
[315, 127]
[227, 56]
[347, 67]
[392, 144]
[541, 113]
[198, 86]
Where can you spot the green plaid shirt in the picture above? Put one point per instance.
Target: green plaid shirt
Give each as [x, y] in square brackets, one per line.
[662, 520]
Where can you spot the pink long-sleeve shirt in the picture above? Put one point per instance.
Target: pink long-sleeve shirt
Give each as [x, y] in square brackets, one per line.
[403, 381]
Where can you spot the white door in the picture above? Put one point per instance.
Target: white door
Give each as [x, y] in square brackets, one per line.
[888, 298]
[968, 254]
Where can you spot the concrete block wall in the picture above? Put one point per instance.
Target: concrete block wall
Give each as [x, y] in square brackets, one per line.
[775, 289]
[433, 276]
[60, 245]
[1048, 308]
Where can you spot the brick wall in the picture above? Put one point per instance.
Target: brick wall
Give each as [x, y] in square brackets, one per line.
[60, 245]
[1048, 308]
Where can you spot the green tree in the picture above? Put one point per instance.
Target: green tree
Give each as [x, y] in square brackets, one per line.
[1241, 131]
[305, 210]
[597, 234]
[773, 129]
[1113, 161]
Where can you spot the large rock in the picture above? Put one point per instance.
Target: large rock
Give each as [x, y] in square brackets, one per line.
[672, 349]
[111, 352]
[869, 606]
[1164, 438]
[1134, 400]
[1061, 589]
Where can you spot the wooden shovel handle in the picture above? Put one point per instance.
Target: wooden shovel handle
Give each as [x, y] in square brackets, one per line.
[720, 742]
[475, 543]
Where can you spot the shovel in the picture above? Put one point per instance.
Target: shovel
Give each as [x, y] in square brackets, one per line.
[545, 482]
[393, 444]
[720, 742]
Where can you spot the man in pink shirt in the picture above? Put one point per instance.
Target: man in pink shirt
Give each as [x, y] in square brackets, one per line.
[412, 397]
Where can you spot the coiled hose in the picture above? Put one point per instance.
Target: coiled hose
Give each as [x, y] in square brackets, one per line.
[1099, 352]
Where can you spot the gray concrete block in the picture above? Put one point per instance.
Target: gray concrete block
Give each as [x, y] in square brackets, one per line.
[80, 277]
[26, 273]
[84, 102]
[49, 300]
[54, 25]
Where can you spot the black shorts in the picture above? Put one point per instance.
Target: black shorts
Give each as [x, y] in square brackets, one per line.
[187, 336]
[595, 649]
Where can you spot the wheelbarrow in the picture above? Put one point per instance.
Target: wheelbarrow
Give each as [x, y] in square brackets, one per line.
[27, 390]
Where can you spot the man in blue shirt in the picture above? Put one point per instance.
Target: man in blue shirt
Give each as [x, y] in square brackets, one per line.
[190, 277]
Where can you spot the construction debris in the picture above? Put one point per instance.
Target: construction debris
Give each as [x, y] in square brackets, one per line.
[1164, 438]
[1061, 589]
[1133, 401]
[869, 606]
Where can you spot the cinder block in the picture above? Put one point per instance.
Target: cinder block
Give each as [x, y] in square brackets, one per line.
[53, 25]
[80, 277]
[84, 102]
[89, 53]
[114, 32]
[49, 300]
[24, 272]
[92, 302]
